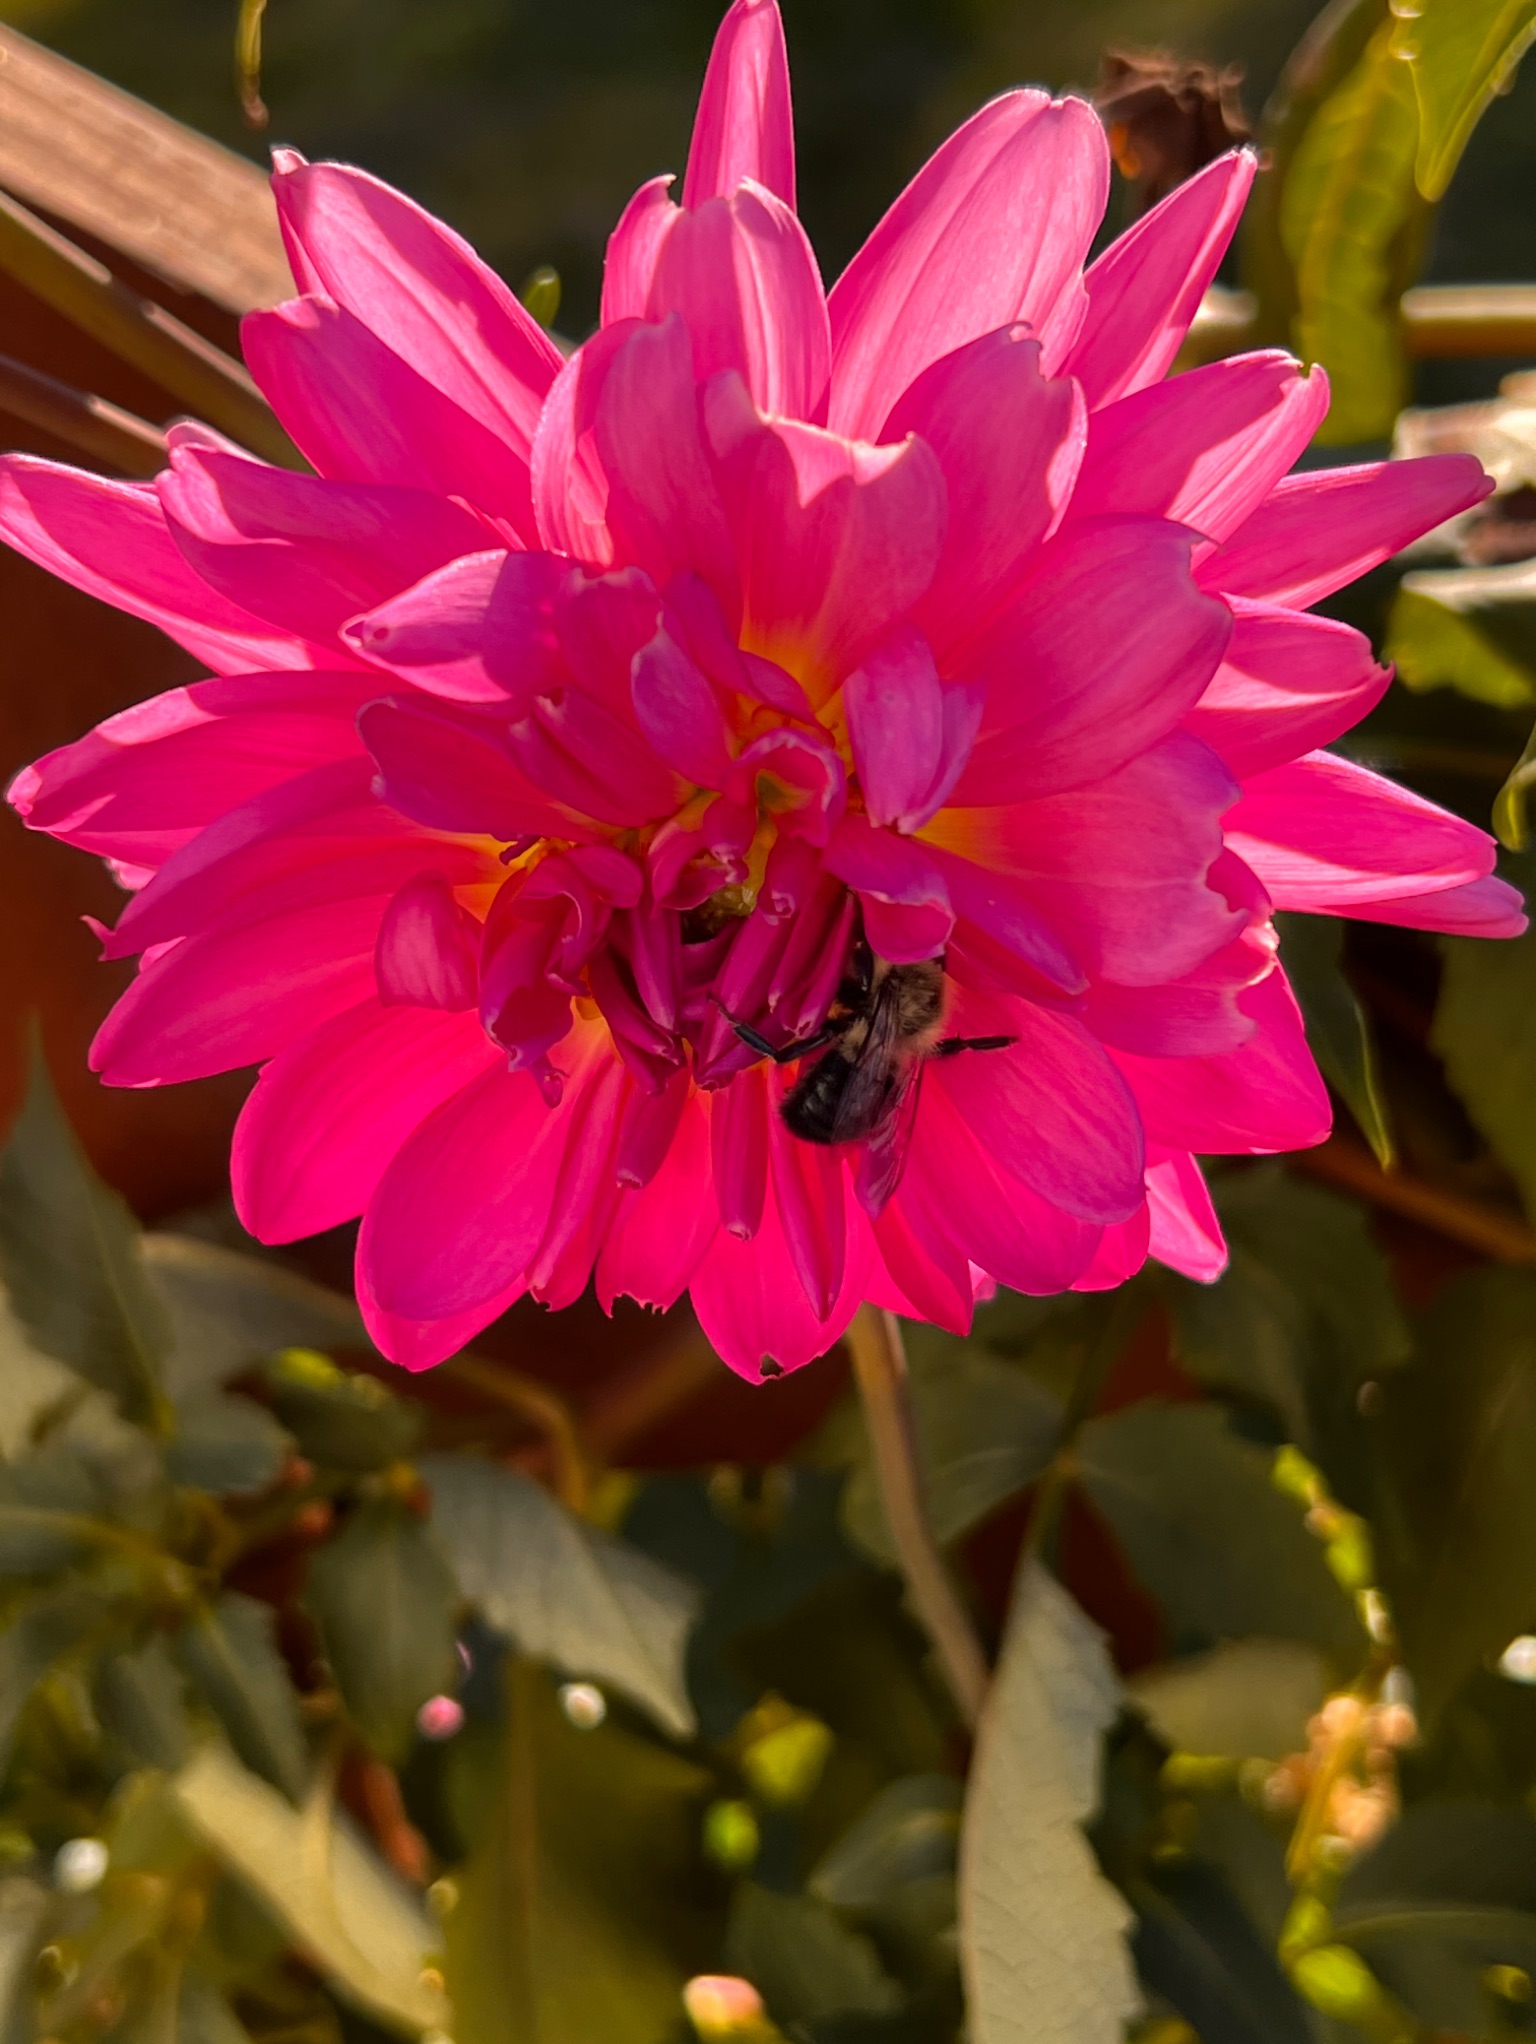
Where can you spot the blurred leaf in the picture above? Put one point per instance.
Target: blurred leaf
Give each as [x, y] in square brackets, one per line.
[37, 1636]
[25, 1906]
[1347, 209]
[1196, 1947]
[203, 2016]
[1247, 1697]
[140, 1700]
[359, 1924]
[563, 1592]
[1337, 1026]
[229, 1651]
[910, 1832]
[70, 1259]
[33, 1387]
[227, 1445]
[49, 1504]
[229, 1310]
[1042, 1932]
[1447, 1893]
[807, 1966]
[383, 1596]
[579, 1915]
[1462, 52]
[1485, 1031]
[1511, 819]
[1458, 1440]
[1461, 628]
[1303, 1315]
[985, 1431]
[340, 1420]
[1205, 1529]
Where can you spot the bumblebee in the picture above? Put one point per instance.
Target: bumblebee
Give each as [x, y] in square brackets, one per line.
[886, 1022]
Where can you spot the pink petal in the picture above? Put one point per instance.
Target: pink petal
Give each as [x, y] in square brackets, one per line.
[427, 955]
[1009, 442]
[570, 485]
[1327, 527]
[1190, 1017]
[1186, 1235]
[661, 1232]
[1265, 1096]
[894, 704]
[1205, 448]
[423, 1344]
[956, 1195]
[836, 541]
[327, 1115]
[319, 837]
[303, 554]
[362, 415]
[810, 1192]
[461, 1209]
[634, 249]
[1327, 835]
[144, 782]
[680, 713]
[1051, 1108]
[586, 1192]
[915, 1281]
[451, 775]
[743, 276]
[907, 913]
[663, 507]
[739, 1135]
[238, 994]
[997, 910]
[993, 229]
[1121, 1253]
[1146, 288]
[421, 289]
[1482, 908]
[1121, 867]
[1107, 644]
[436, 632]
[1289, 681]
[744, 127]
[110, 539]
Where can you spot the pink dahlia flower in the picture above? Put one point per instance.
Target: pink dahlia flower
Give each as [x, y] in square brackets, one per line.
[578, 723]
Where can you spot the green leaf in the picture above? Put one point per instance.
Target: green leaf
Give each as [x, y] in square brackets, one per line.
[1205, 1529]
[1337, 1026]
[34, 1388]
[1458, 1442]
[50, 1504]
[69, 1256]
[229, 1651]
[909, 1833]
[807, 1966]
[1485, 1031]
[1248, 1697]
[1042, 1933]
[229, 1445]
[562, 1591]
[37, 1637]
[1511, 819]
[383, 1596]
[579, 1913]
[1462, 53]
[1304, 1314]
[229, 1310]
[1348, 214]
[340, 1420]
[340, 1905]
[985, 1431]
[140, 1700]
[1447, 1893]
[1463, 628]
[25, 1907]
[1197, 1948]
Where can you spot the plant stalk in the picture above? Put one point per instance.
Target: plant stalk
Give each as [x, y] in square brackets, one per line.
[880, 1370]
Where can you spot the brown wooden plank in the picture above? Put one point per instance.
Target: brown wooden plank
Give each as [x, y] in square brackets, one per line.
[107, 163]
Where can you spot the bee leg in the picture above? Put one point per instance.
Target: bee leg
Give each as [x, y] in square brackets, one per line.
[953, 1045]
[784, 1053]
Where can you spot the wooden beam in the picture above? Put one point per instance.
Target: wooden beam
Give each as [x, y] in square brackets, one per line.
[108, 164]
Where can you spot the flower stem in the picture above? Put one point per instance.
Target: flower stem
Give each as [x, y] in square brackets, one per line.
[880, 1370]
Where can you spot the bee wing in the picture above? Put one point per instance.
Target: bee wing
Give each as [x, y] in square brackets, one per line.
[884, 1156]
[877, 1067]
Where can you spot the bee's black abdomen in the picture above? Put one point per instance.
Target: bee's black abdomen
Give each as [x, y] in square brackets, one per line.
[809, 1109]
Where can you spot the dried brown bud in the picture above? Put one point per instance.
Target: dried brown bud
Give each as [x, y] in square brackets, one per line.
[1167, 118]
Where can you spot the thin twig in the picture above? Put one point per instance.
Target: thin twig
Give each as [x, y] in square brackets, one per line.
[93, 427]
[1440, 321]
[1503, 1237]
[880, 1370]
[543, 1409]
